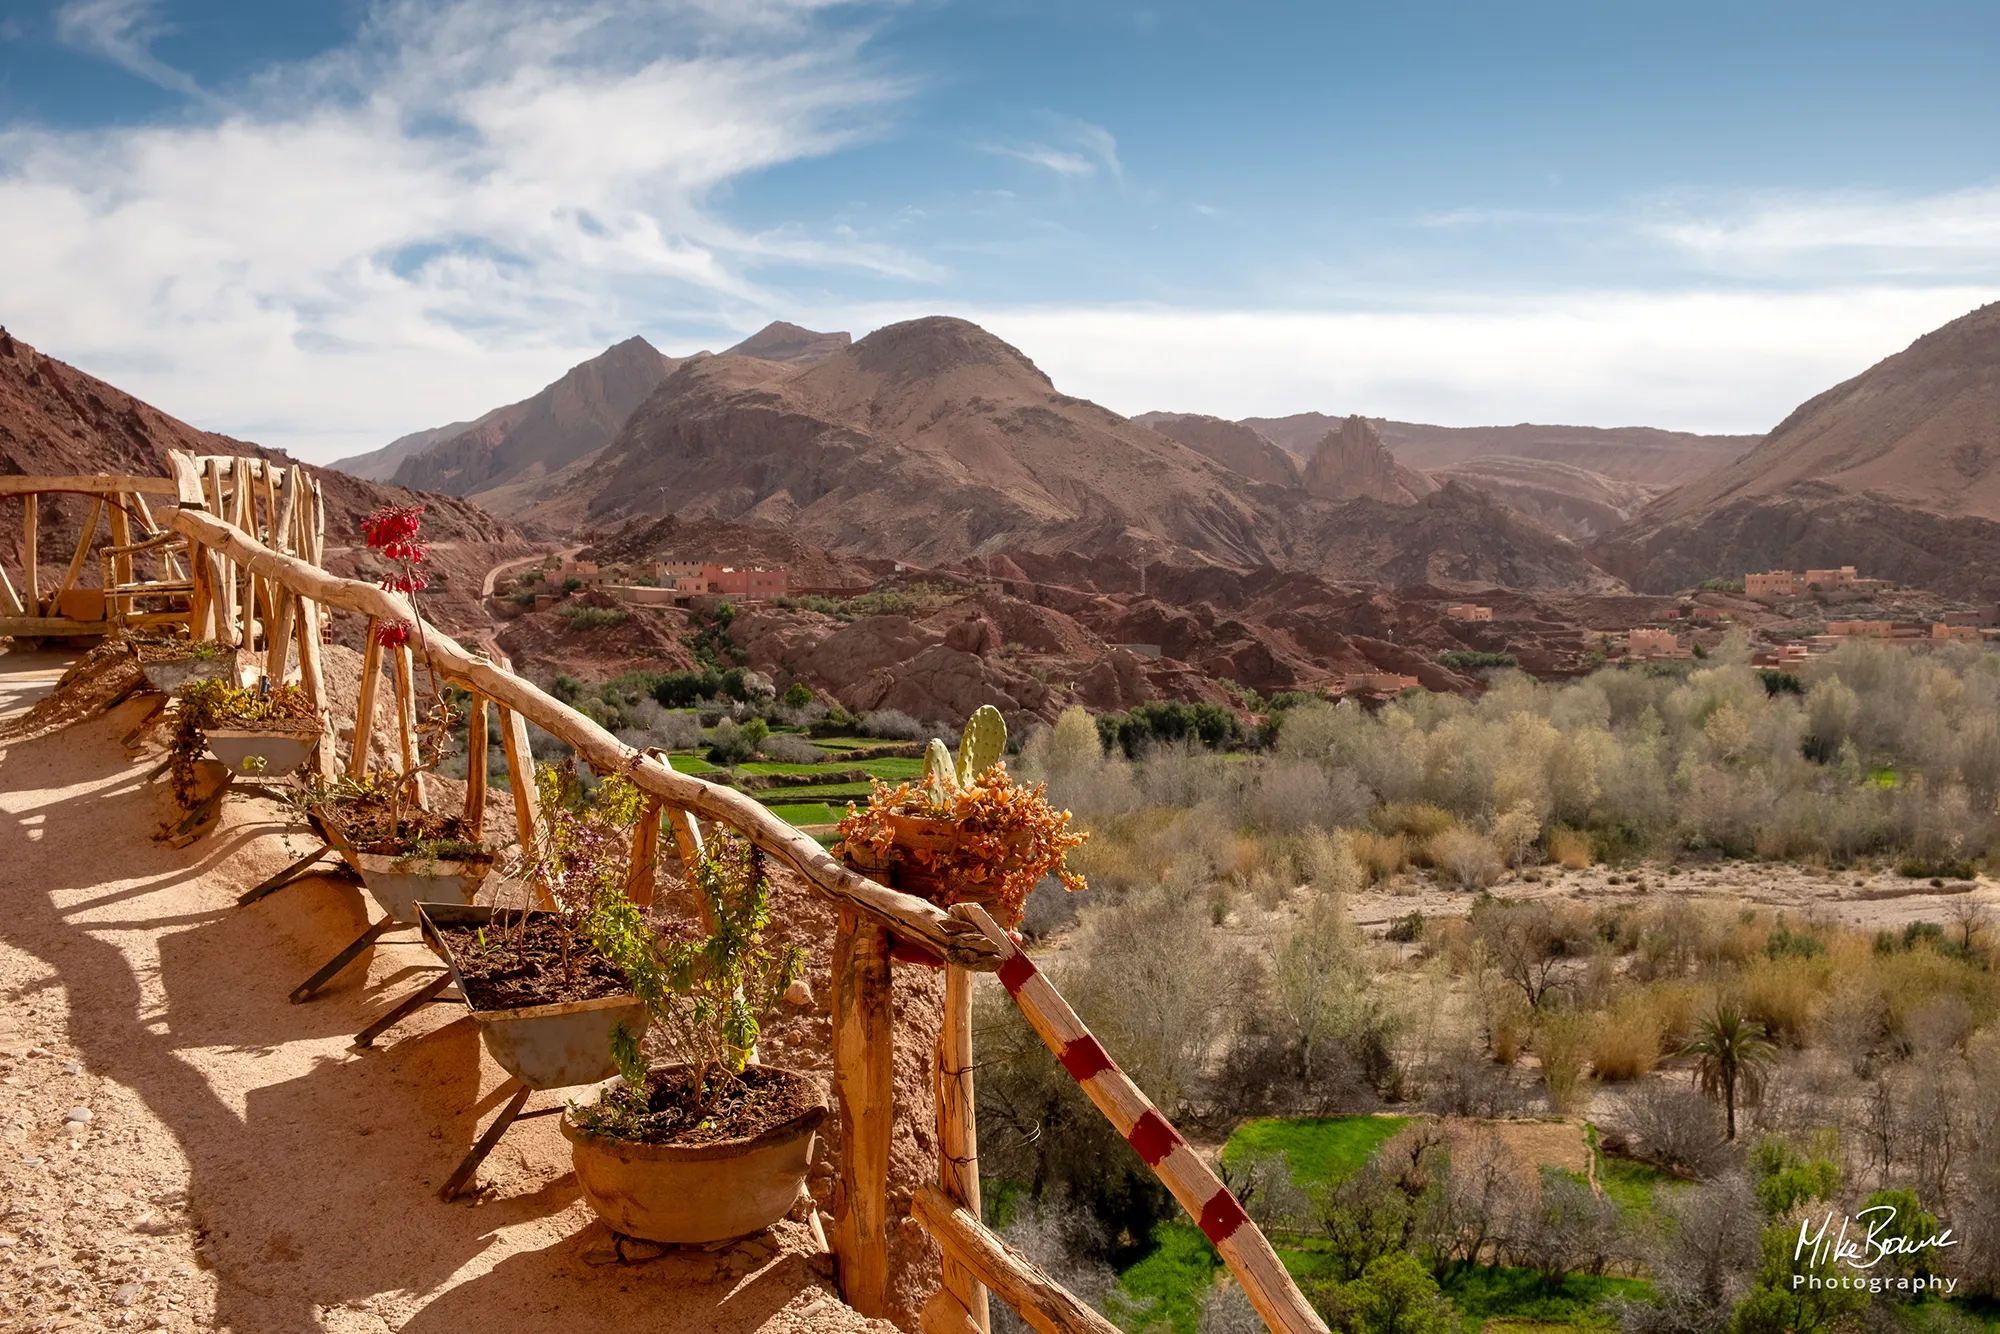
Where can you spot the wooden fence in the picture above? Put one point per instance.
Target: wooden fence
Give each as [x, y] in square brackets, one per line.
[235, 574]
[117, 505]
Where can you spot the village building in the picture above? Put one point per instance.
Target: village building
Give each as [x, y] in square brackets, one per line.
[1775, 584]
[1466, 611]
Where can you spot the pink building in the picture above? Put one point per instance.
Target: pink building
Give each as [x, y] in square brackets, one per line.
[1844, 577]
[752, 585]
[1465, 611]
[1778, 584]
[1861, 629]
[1652, 644]
[1968, 633]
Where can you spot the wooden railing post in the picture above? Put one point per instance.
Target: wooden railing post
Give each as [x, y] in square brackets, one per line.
[475, 768]
[31, 579]
[863, 1072]
[643, 869]
[958, 1131]
[364, 704]
[1045, 1304]
[121, 536]
[520, 776]
[406, 719]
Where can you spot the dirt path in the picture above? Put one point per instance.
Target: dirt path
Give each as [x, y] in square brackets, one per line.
[243, 1168]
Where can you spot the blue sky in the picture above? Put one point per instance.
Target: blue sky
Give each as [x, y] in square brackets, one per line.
[321, 225]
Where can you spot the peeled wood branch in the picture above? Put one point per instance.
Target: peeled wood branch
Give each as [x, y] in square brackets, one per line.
[1039, 1299]
[910, 918]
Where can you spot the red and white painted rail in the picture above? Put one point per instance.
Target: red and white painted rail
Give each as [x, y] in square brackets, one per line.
[1240, 1242]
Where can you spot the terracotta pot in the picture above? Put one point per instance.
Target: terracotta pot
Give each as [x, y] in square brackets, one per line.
[553, 1046]
[699, 1193]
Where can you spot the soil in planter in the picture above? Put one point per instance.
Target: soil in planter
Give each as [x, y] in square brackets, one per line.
[366, 825]
[176, 650]
[520, 966]
[749, 1104]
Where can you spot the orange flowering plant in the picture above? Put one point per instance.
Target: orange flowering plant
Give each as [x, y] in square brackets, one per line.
[968, 832]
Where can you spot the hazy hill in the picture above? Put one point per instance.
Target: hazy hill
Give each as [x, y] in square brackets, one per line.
[1574, 501]
[933, 441]
[1896, 471]
[1624, 453]
[576, 415]
[779, 341]
[1229, 443]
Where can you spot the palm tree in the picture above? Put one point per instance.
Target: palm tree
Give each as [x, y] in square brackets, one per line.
[1733, 1052]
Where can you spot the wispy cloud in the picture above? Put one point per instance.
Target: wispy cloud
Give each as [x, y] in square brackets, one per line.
[1076, 149]
[123, 32]
[1908, 234]
[435, 218]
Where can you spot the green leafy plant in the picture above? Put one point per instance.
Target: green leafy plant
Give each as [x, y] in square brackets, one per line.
[705, 995]
[582, 850]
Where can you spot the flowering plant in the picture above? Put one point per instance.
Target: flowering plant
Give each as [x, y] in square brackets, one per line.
[1006, 837]
[395, 532]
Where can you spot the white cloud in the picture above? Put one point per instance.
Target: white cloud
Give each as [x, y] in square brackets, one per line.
[1925, 234]
[437, 219]
[1699, 361]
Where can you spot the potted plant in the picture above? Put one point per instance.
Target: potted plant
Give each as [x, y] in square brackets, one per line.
[707, 1145]
[404, 854]
[170, 664]
[968, 832]
[261, 733]
[545, 999]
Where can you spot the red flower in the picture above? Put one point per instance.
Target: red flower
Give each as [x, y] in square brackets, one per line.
[394, 634]
[406, 583]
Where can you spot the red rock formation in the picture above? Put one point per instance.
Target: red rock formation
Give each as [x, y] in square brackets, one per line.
[1352, 463]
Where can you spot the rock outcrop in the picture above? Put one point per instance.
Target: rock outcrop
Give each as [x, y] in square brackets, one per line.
[788, 343]
[1352, 463]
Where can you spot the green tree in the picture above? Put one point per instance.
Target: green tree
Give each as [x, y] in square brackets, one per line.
[1731, 1054]
[1394, 1295]
[798, 695]
[1779, 1305]
[1786, 1175]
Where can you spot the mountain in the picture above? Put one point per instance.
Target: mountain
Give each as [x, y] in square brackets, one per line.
[576, 415]
[1231, 444]
[54, 420]
[1574, 501]
[779, 341]
[1896, 471]
[933, 441]
[379, 465]
[1351, 463]
[1626, 453]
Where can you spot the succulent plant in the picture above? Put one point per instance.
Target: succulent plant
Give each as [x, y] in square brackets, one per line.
[981, 745]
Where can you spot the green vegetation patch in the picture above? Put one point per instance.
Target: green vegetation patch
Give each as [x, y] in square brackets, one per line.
[1320, 1148]
[1170, 1283]
[1484, 1293]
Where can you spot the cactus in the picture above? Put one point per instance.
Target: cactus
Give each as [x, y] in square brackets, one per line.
[983, 742]
[940, 775]
[981, 745]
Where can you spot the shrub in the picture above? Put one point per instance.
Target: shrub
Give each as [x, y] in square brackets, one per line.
[791, 748]
[1467, 858]
[681, 690]
[1420, 821]
[582, 618]
[1470, 660]
[1675, 1126]
[1569, 848]
[1329, 862]
[893, 724]
[1381, 855]
[797, 695]
[1563, 1042]
[730, 744]
[1168, 720]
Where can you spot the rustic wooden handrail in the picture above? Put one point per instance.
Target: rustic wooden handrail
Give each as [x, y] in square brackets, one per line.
[910, 918]
[1041, 1301]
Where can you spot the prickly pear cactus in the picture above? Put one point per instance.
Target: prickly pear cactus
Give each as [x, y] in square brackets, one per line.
[940, 774]
[983, 742]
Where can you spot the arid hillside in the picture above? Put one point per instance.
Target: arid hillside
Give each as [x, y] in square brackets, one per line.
[1231, 444]
[1896, 471]
[56, 420]
[1574, 501]
[1625, 453]
[933, 441]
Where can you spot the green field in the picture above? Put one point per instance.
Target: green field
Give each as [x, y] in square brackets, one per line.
[1170, 1282]
[1322, 1149]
